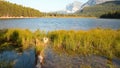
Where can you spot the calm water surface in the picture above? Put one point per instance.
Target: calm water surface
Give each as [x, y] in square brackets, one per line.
[13, 59]
[49, 24]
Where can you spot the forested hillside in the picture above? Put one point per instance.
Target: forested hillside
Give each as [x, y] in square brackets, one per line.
[8, 9]
[108, 9]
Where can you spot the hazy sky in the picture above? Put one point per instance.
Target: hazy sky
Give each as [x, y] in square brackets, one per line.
[45, 5]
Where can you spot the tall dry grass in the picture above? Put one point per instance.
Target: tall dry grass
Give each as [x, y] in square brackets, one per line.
[105, 42]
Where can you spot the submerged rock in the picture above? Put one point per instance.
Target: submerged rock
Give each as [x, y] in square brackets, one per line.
[54, 60]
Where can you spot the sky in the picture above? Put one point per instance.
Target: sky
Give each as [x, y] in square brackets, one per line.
[45, 5]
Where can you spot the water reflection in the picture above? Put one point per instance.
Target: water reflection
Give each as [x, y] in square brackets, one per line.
[13, 59]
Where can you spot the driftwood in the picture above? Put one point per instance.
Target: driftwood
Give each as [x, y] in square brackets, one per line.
[39, 57]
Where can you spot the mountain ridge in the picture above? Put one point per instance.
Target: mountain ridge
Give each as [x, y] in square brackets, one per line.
[13, 10]
[73, 7]
[95, 2]
[108, 9]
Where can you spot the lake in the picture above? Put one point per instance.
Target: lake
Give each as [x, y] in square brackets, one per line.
[26, 59]
[13, 59]
[50, 24]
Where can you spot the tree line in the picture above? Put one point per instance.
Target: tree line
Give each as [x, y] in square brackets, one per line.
[8, 9]
[105, 10]
[108, 9]
[13, 10]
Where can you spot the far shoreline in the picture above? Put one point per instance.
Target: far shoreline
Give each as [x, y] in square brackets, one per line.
[16, 17]
[54, 17]
[43, 17]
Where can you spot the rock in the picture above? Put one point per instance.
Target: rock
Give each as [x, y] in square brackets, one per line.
[45, 40]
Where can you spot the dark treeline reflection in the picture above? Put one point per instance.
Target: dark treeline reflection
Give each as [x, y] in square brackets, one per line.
[111, 15]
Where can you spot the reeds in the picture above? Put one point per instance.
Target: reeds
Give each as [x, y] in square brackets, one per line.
[104, 42]
[18, 38]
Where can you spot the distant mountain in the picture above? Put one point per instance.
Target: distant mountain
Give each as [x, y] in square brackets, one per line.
[95, 2]
[73, 7]
[60, 12]
[70, 8]
[76, 5]
[106, 8]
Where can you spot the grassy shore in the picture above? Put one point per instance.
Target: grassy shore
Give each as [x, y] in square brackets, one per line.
[19, 39]
[103, 42]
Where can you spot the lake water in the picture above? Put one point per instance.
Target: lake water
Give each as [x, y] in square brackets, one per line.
[49, 24]
[13, 59]
[52, 60]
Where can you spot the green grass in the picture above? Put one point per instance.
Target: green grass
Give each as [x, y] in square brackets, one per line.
[19, 39]
[103, 42]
